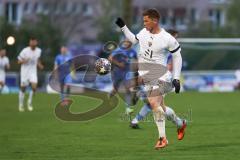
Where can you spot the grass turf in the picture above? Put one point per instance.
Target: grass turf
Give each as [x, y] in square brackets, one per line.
[213, 131]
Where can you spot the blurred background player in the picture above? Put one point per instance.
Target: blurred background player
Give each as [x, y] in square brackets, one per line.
[122, 71]
[169, 113]
[62, 65]
[152, 53]
[4, 64]
[29, 59]
[237, 75]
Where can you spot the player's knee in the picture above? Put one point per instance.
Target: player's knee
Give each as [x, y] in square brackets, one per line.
[23, 89]
[154, 105]
[34, 89]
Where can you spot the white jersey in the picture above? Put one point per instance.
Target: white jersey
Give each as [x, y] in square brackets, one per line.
[237, 74]
[32, 56]
[4, 61]
[154, 48]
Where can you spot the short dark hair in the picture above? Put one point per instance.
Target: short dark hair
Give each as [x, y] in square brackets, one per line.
[152, 13]
[33, 38]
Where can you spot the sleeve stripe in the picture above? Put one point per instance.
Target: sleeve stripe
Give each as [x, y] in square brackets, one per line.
[136, 37]
[175, 50]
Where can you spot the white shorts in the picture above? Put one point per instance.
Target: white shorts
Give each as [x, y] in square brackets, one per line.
[2, 76]
[160, 86]
[28, 78]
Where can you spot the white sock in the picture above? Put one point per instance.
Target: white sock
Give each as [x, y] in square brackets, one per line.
[30, 97]
[21, 98]
[134, 121]
[159, 118]
[171, 116]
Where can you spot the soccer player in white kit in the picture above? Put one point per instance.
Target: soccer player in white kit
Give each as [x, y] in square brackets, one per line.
[4, 64]
[29, 61]
[169, 113]
[154, 41]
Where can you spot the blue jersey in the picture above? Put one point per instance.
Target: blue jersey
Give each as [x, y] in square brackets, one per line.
[123, 56]
[64, 63]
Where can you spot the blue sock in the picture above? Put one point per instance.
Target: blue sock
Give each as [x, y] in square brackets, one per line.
[128, 100]
[62, 96]
[143, 113]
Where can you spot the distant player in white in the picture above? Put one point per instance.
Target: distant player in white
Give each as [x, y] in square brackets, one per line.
[237, 74]
[29, 60]
[154, 41]
[4, 64]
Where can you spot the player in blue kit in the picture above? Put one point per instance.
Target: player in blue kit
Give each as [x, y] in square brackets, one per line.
[122, 71]
[62, 65]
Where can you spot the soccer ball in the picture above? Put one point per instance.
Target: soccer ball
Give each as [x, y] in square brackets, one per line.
[102, 66]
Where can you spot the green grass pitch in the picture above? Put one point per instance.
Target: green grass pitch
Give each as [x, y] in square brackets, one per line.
[213, 133]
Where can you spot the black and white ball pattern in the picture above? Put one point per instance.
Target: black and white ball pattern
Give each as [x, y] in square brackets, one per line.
[102, 66]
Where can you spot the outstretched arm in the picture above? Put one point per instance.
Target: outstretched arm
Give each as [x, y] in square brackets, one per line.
[129, 35]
